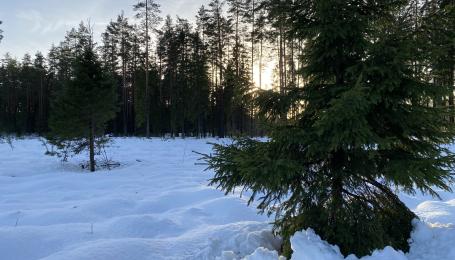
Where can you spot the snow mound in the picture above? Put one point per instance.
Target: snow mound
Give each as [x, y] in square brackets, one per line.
[307, 245]
[433, 238]
[263, 254]
[259, 254]
[437, 211]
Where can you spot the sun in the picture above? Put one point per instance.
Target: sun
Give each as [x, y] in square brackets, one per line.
[264, 79]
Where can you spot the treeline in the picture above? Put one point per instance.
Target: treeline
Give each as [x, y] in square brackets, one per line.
[175, 77]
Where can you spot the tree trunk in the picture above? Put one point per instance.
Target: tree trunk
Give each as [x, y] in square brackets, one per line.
[41, 105]
[147, 97]
[337, 187]
[92, 146]
[237, 42]
[125, 90]
[260, 66]
[252, 43]
[161, 102]
[280, 57]
[451, 82]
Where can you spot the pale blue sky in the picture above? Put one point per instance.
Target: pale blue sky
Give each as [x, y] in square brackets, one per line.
[33, 25]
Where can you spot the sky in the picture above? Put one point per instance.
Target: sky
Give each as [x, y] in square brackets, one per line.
[30, 26]
[33, 25]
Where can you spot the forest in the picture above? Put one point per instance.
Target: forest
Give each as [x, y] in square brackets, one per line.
[173, 77]
[327, 115]
[178, 77]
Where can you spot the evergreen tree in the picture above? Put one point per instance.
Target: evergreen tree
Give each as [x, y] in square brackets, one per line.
[198, 94]
[11, 101]
[364, 127]
[148, 11]
[41, 84]
[437, 31]
[28, 97]
[184, 87]
[156, 86]
[82, 107]
[117, 56]
[20, 90]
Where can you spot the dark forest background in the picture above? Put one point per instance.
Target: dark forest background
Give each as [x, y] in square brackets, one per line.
[175, 77]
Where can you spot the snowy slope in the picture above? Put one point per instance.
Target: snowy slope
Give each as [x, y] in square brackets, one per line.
[157, 206]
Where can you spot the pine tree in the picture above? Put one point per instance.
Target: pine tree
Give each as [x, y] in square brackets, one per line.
[82, 108]
[199, 87]
[40, 82]
[218, 29]
[148, 11]
[117, 55]
[364, 129]
[11, 114]
[28, 85]
[3, 78]
[438, 32]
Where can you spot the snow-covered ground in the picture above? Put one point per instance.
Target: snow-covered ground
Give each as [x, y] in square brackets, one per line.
[157, 206]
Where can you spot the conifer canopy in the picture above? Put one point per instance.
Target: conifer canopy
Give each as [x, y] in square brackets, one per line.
[83, 106]
[367, 125]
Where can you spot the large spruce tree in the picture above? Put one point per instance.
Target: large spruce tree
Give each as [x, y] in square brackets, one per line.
[364, 129]
[82, 107]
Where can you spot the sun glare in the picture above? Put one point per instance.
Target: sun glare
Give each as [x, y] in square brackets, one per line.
[264, 80]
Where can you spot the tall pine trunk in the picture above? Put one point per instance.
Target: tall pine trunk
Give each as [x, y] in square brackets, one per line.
[451, 82]
[147, 97]
[125, 90]
[252, 43]
[41, 105]
[260, 65]
[92, 146]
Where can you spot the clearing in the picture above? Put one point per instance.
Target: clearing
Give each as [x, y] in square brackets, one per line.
[157, 205]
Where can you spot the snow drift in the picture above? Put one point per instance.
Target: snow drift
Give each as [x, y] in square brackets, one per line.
[157, 205]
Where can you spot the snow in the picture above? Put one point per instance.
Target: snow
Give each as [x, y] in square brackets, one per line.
[307, 245]
[157, 205]
[433, 237]
[428, 242]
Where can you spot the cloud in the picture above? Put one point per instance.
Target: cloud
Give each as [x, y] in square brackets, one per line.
[57, 26]
[186, 5]
[33, 17]
[183, 8]
[34, 25]
[40, 24]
